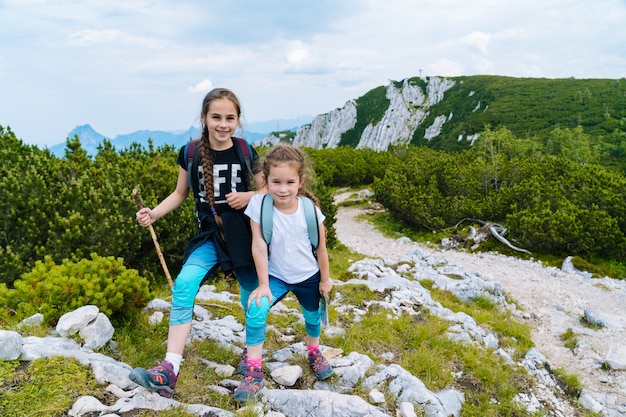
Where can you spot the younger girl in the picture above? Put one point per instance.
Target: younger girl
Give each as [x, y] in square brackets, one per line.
[290, 264]
[221, 187]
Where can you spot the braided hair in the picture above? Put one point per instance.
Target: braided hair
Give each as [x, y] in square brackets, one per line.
[205, 152]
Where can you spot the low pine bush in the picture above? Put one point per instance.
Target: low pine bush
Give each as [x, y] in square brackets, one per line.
[54, 290]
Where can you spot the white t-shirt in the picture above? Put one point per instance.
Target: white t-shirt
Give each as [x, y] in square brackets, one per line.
[291, 258]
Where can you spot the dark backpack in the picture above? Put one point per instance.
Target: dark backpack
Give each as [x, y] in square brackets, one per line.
[243, 151]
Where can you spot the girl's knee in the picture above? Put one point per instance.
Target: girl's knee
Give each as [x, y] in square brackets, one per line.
[256, 315]
[311, 316]
[187, 284]
[256, 319]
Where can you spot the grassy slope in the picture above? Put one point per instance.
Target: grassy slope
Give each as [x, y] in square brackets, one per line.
[529, 107]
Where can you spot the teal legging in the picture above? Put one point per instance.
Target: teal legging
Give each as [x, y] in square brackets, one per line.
[197, 268]
[308, 295]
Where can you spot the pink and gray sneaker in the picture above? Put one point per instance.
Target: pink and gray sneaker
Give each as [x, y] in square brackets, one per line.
[320, 365]
[160, 379]
[250, 385]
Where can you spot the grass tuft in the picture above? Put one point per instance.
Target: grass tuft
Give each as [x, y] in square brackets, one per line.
[44, 387]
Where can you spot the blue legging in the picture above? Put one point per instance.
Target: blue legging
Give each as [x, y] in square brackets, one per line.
[308, 295]
[197, 268]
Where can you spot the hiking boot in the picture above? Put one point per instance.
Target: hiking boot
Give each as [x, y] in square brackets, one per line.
[320, 365]
[243, 362]
[250, 385]
[160, 379]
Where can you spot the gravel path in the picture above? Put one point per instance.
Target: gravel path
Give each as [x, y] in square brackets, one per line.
[550, 300]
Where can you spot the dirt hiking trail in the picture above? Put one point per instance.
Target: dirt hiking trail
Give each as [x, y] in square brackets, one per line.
[550, 301]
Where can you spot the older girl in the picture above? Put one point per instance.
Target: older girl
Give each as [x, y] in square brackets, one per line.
[222, 188]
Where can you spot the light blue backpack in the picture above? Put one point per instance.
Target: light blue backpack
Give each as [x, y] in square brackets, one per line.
[267, 220]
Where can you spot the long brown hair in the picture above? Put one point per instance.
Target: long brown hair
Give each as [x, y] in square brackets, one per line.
[206, 156]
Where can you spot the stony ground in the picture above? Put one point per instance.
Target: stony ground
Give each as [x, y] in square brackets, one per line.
[550, 300]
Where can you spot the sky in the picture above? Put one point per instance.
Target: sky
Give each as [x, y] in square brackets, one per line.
[126, 65]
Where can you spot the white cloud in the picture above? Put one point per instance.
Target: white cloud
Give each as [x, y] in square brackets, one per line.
[297, 54]
[203, 86]
[305, 58]
[144, 58]
[479, 41]
[114, 38]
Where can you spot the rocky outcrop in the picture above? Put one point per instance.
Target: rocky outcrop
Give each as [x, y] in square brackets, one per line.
[376, 379]
[408, 107]
[325, 130]
[399, 279]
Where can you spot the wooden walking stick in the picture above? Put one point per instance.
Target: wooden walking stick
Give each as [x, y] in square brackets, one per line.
[137, 198]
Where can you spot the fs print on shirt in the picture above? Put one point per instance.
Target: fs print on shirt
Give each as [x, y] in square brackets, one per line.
[227, 176]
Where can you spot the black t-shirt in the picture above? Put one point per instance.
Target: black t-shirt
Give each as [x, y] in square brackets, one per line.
[228, 175]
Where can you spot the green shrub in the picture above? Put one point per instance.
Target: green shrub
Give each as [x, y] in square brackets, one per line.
[54, 290]
[67, 208]
[549, 204]
[345, 166]
[329, 209]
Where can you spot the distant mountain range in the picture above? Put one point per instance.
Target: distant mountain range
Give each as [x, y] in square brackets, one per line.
[441, 113]
[91, 139]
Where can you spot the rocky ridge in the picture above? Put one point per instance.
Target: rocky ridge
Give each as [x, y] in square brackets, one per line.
[408, 107]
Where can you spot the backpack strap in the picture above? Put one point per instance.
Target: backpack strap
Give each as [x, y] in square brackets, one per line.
[246, 153]
[311, 221]
[267, 217]
[243, 151]
[190, 150]
[310, 213]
